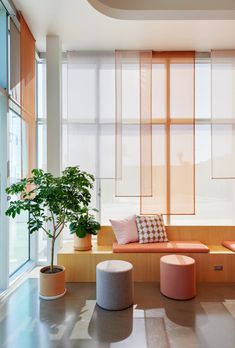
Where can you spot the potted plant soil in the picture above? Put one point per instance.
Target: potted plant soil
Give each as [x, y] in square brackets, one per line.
[85, 227]
[52, 203]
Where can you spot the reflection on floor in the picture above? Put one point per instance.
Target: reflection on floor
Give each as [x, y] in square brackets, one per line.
[153, 322]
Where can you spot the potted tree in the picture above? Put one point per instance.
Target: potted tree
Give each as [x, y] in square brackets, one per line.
[83, 229]
[52, 203]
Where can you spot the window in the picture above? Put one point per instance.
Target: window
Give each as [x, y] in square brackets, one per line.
[4, 236]
[86, 116]
[214, 197]
[21, 131]
[18, 229]
[17, 127]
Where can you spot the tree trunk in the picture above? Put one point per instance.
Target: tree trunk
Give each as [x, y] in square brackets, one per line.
[52, 254]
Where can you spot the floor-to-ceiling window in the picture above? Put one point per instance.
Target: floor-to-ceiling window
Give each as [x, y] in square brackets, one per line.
[17, 138]
[94, 108]
[19, 242]
[214, 198]
[4, 236]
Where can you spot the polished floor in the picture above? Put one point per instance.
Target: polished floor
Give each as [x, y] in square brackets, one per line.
[207, 321]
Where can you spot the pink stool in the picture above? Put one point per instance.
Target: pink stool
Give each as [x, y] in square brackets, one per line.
[178, 277]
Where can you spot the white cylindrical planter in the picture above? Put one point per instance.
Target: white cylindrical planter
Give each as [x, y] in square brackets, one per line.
[82, 244]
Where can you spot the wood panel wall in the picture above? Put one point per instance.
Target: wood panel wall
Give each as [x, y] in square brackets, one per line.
[81, 266]
[211, 235]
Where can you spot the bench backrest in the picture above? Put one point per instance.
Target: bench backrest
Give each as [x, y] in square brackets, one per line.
[206, 234]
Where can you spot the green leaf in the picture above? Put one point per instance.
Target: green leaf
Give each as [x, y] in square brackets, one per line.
[65, 198]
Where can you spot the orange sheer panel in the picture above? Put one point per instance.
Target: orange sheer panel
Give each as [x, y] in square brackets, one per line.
[27, 55]
[159, 92]
[158, 202]
[181, 94]
[173, 170]
[223, 113]
[27, 77]
[133, 123]
[182, 167]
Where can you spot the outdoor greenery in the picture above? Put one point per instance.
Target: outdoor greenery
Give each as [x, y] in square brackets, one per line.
[55, 202]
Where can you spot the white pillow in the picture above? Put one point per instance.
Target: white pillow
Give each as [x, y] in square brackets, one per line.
[125, 230]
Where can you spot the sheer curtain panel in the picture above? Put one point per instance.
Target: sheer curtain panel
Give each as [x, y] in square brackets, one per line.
[89, 125]
[173, 135]
[133, 123]
[223, 114]
[27, 96]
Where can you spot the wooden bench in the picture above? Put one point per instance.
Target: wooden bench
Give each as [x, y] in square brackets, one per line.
[81, 266]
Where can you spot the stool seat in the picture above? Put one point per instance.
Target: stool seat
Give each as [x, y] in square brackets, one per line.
[177, 260]
[113, 266]
[114, 285]
[178, 277]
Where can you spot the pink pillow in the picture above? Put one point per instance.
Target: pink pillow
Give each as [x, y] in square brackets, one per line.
[125, 230]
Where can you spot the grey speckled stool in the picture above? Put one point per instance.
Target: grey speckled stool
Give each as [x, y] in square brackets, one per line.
[114, 285]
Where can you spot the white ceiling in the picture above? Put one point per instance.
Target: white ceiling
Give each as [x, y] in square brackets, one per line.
[81, 27]
[167, 4]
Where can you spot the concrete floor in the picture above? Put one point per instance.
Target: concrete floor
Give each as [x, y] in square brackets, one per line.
[207, 321]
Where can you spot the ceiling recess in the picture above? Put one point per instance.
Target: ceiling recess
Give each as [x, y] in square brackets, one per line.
[166, 9]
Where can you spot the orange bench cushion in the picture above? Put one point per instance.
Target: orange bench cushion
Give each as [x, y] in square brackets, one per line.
[165, 247]
[230, 244]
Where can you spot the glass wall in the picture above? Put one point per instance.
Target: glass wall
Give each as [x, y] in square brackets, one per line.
[18, 229]
[4, 236]
[17, 126]
[19, 240]
[214, 198]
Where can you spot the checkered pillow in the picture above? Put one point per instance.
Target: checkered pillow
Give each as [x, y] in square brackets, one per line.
[151, 229]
